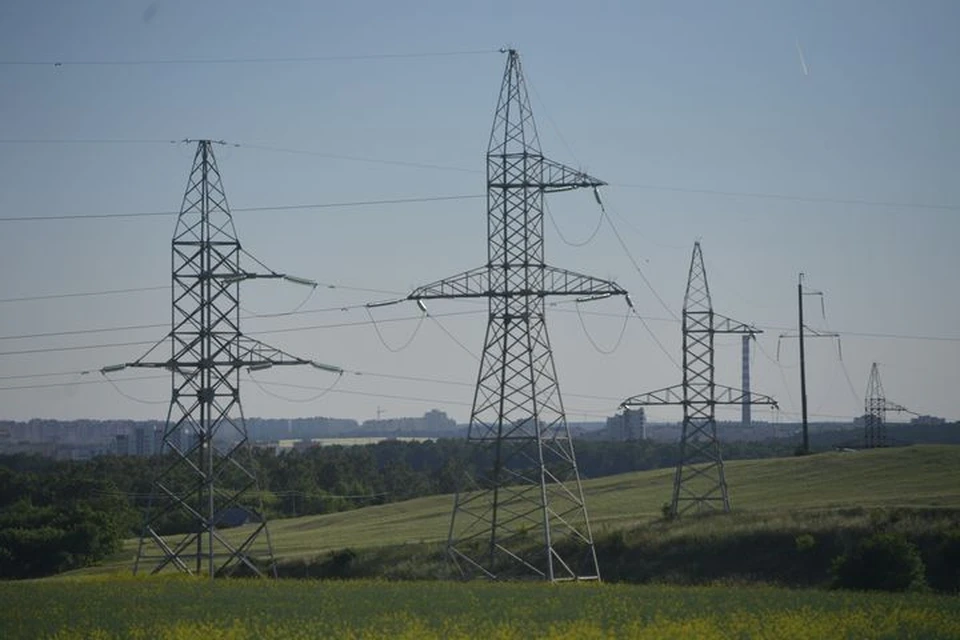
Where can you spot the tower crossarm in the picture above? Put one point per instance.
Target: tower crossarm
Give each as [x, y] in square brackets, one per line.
[561, 282]
[531, 170]
[559, 177]
[731, 395]
[668, 395]
[674, 396]
[893, 406]
[723, 324]
[469, 284]
[488, 282]
[257, 355]
[252, 354]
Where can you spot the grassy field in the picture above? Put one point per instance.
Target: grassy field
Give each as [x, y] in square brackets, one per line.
[918, 477]
[164, 608]
[830, 498]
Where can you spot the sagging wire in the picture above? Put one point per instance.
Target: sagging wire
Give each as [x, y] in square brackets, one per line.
[409, 340]
[542, 108]
[130, 397]
[563, 238]
[281, 314]
[453, 337]
[843, 366]
[656, 340]
[597, 347]
[830, 379]
[783, 376]
[313, 398]
[633, 261]
[846, 375]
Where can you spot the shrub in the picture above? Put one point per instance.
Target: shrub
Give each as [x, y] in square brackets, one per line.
[944, 569]
[882, 562]
[805, 542]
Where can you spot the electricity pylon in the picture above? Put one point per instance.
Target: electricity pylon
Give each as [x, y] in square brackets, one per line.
[524, 516]
[699, 481]
[209, 480]
[875, 407]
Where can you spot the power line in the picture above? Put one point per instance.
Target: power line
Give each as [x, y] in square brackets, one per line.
[56, 296]
[636, 265]
[243, 145]
[353, 372]
[55, 374]
[20, 352]
[292, 207]
[80, 383]
[337, 325]
[76, 332]
[794, 198]
[336, 156]
[87, 140]
[247, 60]
[388, 396]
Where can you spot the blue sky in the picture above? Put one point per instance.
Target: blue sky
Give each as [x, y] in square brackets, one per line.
[690, 110]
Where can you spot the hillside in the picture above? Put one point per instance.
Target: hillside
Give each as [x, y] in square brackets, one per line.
[917, 477]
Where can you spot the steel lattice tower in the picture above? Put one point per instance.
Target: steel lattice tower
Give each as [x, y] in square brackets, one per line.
[210, 471]
[525, 516]
[699, 480]
[875, 406]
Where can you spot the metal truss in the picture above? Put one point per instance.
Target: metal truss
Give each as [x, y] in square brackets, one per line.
[699, 481]
[210, 481]
[524, 516]
[875, 406]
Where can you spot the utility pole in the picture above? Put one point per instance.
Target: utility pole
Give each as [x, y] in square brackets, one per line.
[209, 476]
[803, 367]
[801, 330]
[699, 481]
[745, 418]
[510, 520]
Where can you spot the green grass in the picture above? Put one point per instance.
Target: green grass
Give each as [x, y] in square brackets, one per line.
[832, 498]
[240, 609]
[767, 493]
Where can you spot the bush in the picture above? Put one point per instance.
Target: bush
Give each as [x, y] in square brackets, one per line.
[882, 562]
[944, 566]
[805, 542]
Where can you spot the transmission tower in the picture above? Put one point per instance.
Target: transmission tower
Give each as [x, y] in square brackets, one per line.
[525, 515]
[875, 406]
[699, 482]
[209, 480]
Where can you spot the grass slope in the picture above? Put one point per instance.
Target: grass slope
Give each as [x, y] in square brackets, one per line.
[917, 477]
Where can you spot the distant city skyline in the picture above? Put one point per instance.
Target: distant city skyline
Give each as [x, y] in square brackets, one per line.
[814, 137]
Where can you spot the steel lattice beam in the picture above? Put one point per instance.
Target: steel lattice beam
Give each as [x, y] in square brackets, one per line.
[699, 481]
[525, 516]
[210, 472]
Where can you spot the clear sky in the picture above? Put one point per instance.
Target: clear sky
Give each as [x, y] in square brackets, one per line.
[846, 114]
